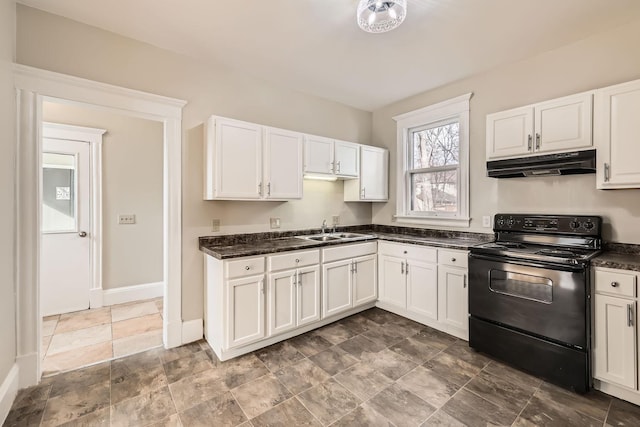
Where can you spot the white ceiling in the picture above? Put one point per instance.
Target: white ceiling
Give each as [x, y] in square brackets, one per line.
[315, 46]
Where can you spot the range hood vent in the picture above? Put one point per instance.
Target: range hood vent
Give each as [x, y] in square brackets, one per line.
[576, 162]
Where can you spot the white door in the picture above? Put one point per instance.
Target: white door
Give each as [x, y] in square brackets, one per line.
[365, 283]
[245, 316]
[347, 159]
[563, 124]
[282, 301]
[336, 287]
[308, 295]
[282, 164]
[374, 173]
[393, 281]
[453, 297]
[318, 155]
[65, 254]
[422, 288]
[510, 133]
[238, 160]
[615, 341]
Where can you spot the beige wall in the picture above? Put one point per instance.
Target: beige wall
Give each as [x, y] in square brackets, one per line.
[601, 60]
[7, 194]
[131, 184]
[53, 43]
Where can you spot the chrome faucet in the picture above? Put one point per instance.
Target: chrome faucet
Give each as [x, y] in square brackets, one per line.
[324, 226]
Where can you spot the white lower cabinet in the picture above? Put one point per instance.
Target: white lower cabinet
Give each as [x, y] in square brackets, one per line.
[245, 320]
[425, 284]
[615, 333]
[348, 277]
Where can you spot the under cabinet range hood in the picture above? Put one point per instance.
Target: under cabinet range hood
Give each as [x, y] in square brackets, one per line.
[575, 162]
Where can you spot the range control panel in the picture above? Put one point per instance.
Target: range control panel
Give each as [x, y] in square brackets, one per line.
[549, 224]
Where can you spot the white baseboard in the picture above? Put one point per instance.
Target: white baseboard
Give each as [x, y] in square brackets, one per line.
[28, 369]
[96, 298]
[8, 392]
[192, 330]
[132, 293]
[172, 334]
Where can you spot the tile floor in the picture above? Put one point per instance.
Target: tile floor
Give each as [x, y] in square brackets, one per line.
[371, 369]
[82, 338]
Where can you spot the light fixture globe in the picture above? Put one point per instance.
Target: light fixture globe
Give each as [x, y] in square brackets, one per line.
[377, 16]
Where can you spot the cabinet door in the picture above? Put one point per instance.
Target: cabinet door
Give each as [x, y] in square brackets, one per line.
[318, 155]
[392, 280]
[615, 341]
[337, 294]
[238, 160]
[453, 297]
[282, 301]
[422, 288]
[245, 310]
[282, 164]
[374, 173]
[308, 295]
[617, 127]
[365, 285]
[563, 124]
[510, 133]
[347, 159]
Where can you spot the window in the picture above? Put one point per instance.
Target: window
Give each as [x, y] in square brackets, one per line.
[433, 165]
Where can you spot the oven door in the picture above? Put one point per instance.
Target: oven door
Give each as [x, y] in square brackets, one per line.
[548, 301]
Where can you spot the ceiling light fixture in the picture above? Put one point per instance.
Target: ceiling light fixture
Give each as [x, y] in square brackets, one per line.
[377, 16]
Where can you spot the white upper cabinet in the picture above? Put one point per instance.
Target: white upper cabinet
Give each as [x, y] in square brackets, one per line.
[617, 131]
[331, 158]
[246, 161]
[558, 125]
[373, 183]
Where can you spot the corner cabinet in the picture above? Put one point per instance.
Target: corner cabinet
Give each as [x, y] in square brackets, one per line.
[373, 183]
[246, 161]
[617, 129]
[553, 126]
[615, 333]
[326, 157]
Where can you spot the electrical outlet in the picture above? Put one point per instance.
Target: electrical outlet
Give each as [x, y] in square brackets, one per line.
[486, 221]
[274, 222]
[336, 219]
[126, 219]
[215, 225]
[393, 218]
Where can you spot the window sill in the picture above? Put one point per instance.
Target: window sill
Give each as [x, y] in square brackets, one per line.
[442, 221]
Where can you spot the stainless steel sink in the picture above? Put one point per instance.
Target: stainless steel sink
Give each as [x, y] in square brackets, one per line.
[323, 238]
[334, 237]
[350, 235]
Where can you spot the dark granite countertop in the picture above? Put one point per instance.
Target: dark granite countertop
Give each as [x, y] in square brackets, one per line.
[241, 245]
[619, 255]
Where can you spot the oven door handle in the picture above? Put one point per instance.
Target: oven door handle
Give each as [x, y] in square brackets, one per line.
[504, 259]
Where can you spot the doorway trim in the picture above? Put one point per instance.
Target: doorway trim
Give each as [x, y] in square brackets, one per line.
[34, 85]
[94, 137]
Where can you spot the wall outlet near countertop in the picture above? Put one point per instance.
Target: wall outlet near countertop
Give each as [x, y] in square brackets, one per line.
[336, 219]
[274, 222]
[215, 225]
[126, 219]
[486, 221]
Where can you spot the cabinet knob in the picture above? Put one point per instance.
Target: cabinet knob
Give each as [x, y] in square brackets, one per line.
[405, 252]
[614, 284]
[453, 260]
[297, 260]
[246, 267]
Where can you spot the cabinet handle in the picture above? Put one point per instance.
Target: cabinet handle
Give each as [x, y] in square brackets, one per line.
[402, 267]
[268, 189]
[364, 192]
[406, 268]
[338, 166]
[464, 281]
[614, 284]
[606, 172]
[537, 141]
[331, 167]
[529, 142]
[260, 188]
[629, 314]
[299, 278]
[355, 267]
[453, 260]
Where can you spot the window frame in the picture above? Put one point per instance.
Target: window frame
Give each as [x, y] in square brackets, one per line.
[455, 109]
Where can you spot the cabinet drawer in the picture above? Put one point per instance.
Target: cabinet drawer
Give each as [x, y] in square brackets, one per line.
[452, 258]
[348, 251]
[244, 267]
[415, 252]
[615, 283]
[293, 260]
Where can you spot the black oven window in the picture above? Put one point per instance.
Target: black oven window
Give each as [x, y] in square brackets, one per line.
[534, 288]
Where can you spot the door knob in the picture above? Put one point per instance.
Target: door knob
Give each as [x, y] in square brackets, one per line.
[82, 234]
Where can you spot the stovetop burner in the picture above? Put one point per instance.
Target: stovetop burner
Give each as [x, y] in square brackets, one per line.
[561, 253]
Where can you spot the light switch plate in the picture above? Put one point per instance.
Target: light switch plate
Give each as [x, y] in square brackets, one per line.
[274, 222]
[215, 225]
[126, 219]
[486, 221]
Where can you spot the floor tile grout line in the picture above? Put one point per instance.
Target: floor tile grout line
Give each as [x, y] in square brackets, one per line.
[606, 417]
[528, 402]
